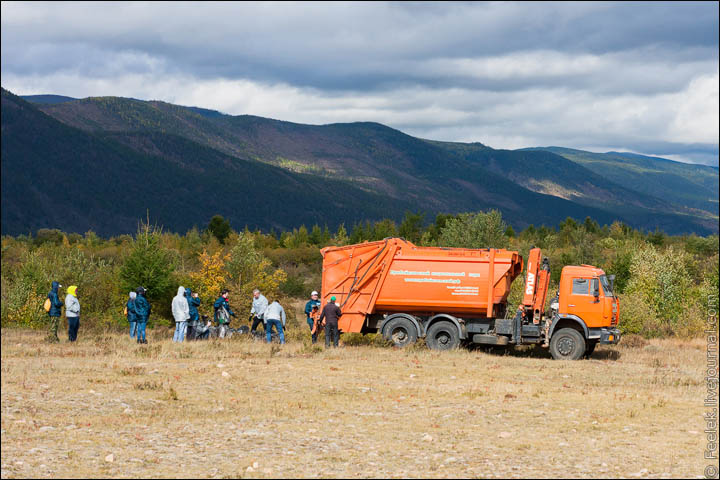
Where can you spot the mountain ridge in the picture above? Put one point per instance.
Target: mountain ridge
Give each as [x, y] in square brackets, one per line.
[419, 174]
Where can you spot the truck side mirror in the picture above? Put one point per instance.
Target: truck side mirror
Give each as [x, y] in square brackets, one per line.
[596, 287]
[612, 282]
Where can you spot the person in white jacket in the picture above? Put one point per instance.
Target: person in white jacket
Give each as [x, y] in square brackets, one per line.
[275, 317]
[181, 312]
[72, 312]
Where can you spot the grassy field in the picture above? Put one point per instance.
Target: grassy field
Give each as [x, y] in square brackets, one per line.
[107, 407]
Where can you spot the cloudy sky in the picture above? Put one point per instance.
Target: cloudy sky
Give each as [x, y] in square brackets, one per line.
[639, 77]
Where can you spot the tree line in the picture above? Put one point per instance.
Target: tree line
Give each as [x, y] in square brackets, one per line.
[664, 282]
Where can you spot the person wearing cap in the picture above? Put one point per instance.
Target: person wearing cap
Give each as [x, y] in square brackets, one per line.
[257, 312]
[313, 302]
[55, 311]
[330, 314]
[72, 312]
[142, 310]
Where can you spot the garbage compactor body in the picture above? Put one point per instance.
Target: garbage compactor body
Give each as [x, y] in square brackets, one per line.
[375, 279]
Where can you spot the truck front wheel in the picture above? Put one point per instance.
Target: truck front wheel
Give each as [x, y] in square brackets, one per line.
[567, 344]
[442, 336]
[401, 332]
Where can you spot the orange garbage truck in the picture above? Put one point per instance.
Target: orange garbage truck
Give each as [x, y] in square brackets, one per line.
[455, 296]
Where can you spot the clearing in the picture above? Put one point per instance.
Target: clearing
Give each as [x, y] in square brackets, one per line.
[107, 407]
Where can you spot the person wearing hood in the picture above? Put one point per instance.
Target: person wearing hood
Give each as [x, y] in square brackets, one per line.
[181, 312]
[72, 312]
[142, 310]
[55, 311]
[193, 303]
[131, 315]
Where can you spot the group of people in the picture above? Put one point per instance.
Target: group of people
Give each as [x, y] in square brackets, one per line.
[72, 311]
[138, 310]
[326, 318]
[187, 319]
[271, 315]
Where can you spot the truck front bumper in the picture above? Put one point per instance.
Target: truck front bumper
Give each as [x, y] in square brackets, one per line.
[609, 336]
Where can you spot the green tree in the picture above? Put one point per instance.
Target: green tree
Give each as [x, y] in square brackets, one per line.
[660, 279]
[656, 238]
[411, 228]
[315, 237]
[383, 229]
[149, 265]
[219, 227]
[341, 237]
[475, 230]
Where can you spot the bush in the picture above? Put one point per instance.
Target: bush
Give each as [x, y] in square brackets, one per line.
[294, 286]
[639, 317]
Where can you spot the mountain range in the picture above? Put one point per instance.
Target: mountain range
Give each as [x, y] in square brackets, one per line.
[101, 163]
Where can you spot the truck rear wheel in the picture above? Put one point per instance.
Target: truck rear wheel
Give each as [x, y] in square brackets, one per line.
[567, 344]
[442, 336]
[401, 332]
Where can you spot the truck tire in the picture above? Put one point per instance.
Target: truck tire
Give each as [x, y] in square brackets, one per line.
[590, 348]
[567, 344]
[442, 336]
[401, 332]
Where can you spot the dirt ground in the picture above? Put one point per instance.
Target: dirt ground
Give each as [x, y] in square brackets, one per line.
[107, 407]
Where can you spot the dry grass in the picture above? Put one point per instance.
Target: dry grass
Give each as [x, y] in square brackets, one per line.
[213, 409]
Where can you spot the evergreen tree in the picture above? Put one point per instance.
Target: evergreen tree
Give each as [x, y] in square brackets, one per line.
[219, 227]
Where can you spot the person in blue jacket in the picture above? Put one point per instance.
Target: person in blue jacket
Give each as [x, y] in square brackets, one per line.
[131, 315]
[55, 311]
[142, 310]
[223, 312]
[193, 303]
[313, 302]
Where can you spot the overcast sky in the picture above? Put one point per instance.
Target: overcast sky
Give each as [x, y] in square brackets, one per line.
[639, 77]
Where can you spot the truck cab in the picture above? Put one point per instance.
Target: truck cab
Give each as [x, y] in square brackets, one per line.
[586, 303]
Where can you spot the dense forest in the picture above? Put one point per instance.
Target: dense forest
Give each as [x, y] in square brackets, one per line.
[665, 283]
[98, 163]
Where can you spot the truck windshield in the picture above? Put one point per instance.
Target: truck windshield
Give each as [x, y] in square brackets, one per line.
[606, 286]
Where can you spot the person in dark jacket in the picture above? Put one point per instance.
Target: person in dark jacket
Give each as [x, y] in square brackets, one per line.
[313, 302]
[223, 312]
[55, 311]
[330, 315]
[131, 315]
[193, 303]
[142, 309]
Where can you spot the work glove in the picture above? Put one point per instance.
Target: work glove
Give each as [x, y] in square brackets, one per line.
[250, 319]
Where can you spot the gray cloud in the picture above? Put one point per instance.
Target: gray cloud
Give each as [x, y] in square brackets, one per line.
[630, 76]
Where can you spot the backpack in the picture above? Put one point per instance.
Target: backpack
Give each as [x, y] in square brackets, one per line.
[47, 304]
[222, 315]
